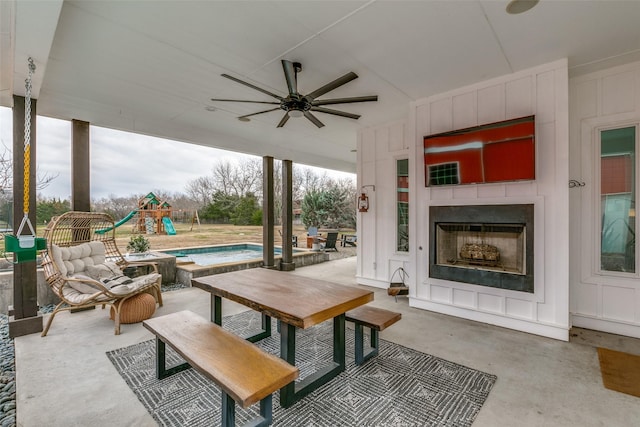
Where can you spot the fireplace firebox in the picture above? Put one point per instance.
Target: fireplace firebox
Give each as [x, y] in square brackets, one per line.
[489, 245]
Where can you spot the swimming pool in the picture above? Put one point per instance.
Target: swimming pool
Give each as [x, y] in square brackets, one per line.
[210, 255]
[205, 260]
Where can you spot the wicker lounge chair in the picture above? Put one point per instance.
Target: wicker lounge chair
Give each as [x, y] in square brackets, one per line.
[84, 267]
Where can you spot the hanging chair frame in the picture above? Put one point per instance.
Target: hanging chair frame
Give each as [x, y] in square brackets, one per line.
[76, 228]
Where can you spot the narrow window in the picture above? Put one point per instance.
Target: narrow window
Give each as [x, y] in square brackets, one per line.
[402, 190]
[617, 200]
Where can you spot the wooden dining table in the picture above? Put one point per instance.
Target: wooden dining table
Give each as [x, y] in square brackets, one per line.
[298, 302]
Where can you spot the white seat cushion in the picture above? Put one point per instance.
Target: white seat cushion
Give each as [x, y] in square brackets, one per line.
[136, 284]
[74, 259]
[87, 263]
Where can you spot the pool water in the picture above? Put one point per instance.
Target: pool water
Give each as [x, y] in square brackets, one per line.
[220, 254]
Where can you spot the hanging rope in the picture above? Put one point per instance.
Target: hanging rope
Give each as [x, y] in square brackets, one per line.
[27, 241]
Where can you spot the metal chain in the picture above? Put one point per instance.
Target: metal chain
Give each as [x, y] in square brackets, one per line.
[27, 137]
[27, 241]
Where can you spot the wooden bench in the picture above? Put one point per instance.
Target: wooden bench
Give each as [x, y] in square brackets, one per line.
[245, 373]
[376, 319]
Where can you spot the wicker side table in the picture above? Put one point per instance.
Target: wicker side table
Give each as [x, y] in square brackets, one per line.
[136, 309]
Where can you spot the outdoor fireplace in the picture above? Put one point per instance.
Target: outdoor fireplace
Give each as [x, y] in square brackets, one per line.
[489, 245]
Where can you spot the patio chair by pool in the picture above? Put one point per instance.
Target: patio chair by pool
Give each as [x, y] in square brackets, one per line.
[84, 268]
[349, 239]
[330, 241]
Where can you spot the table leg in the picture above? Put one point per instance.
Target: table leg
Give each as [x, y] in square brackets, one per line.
[339, 338]
[216, 317]
[295, 391]
[216, 309]
[161, 362]
[288, 353]
[265, 332]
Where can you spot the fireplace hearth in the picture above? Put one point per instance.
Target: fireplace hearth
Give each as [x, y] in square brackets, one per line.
[488, 245]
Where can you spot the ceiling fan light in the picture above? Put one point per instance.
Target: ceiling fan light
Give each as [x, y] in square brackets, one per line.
[295, 113]
[520, 6]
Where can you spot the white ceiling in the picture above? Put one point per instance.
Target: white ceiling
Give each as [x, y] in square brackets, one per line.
[152, 66]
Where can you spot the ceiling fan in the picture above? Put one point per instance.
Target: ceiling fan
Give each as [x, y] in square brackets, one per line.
[298, 105]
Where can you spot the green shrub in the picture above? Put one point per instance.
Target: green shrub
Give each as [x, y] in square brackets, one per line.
[138, 243]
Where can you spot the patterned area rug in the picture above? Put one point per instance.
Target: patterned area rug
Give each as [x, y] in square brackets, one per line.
[399, 387]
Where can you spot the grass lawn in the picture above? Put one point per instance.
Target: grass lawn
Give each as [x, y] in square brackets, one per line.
[208, 234]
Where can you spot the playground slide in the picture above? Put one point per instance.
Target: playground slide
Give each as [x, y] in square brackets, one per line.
[119, 223]
[168, 226]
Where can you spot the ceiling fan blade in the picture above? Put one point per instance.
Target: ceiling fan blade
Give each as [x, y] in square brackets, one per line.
[242, 100]
[252, 86]
[335, 112]
[259, 112]
[334, 84]
[291, 76]
[313, 119]
[345, 100]
[284, 120]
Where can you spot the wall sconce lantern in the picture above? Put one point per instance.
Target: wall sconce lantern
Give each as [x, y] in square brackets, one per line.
[363, 199]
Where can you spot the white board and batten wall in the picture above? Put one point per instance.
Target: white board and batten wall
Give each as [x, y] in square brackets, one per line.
[600, 300]
[378, 150]
[541, 91]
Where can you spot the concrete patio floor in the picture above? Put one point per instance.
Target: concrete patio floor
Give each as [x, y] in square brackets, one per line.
[65, 379]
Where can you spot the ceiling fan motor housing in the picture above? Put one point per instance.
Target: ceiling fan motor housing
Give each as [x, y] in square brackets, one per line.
[300, 104]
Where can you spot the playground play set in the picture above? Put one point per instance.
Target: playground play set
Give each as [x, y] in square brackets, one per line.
[152, 216]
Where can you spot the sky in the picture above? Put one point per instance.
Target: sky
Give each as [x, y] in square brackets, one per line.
[122, 163]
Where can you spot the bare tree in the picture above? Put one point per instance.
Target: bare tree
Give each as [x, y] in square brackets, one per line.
[238, 179]
[184, 202]
[117, 206]
[201, 189]
[298, 176]
[222, 176]
[6, 173]
[277, 192]
[310, 181]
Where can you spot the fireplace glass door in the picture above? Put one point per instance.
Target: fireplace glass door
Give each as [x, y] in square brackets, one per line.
[491, 247]
[487, 245]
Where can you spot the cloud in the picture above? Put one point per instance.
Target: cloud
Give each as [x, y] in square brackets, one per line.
[122, 163]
